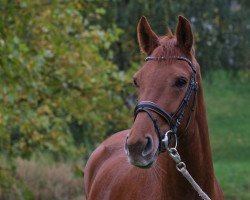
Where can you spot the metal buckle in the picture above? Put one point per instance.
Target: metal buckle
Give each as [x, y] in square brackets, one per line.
[166, 140]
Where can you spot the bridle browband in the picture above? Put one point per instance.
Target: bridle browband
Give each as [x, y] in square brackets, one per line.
[174, 120]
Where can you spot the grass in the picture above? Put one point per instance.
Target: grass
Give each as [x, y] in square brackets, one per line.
[227, 98]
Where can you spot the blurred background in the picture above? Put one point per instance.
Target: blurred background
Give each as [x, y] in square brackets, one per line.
[66, 72]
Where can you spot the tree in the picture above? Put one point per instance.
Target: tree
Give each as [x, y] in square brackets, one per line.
[221, 29]
[58, 94]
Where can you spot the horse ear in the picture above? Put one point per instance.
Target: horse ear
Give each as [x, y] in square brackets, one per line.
[184, 34]
[147, 39]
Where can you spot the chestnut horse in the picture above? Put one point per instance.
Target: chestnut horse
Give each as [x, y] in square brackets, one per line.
[133, 164]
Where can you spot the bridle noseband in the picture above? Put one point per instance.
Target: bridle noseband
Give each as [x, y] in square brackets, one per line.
[174, 120]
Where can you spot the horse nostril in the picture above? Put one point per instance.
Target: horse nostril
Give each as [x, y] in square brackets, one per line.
[148, 148]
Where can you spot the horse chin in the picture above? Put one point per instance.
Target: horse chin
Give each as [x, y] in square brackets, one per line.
[145, 166]
[144, 163]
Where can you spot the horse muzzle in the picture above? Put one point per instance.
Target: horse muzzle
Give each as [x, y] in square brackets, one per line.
[141, 152]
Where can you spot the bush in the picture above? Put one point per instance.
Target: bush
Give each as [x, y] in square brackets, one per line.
[40, 179]
[12, 188]
[49, 181]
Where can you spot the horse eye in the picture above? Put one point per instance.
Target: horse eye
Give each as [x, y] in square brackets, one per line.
[135, 82]
[181, 82]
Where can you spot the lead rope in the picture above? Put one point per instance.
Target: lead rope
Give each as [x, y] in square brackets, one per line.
[181, 166]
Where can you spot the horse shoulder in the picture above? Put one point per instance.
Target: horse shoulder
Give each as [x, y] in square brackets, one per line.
[112, 146]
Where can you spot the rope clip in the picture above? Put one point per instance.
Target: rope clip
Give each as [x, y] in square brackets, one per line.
[175, 155]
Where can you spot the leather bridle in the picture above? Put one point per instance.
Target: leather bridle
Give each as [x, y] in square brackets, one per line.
[174, 120]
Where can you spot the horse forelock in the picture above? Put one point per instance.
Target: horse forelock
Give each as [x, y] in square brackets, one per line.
[168, 47]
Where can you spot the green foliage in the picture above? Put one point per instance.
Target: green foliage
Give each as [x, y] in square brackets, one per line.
[56, 89]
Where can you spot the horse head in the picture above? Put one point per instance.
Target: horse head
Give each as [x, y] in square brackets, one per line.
[165, 84]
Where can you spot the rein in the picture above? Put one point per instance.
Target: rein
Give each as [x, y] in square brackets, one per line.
[174, 120]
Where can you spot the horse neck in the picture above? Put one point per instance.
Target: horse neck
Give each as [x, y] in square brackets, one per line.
[194, 149]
